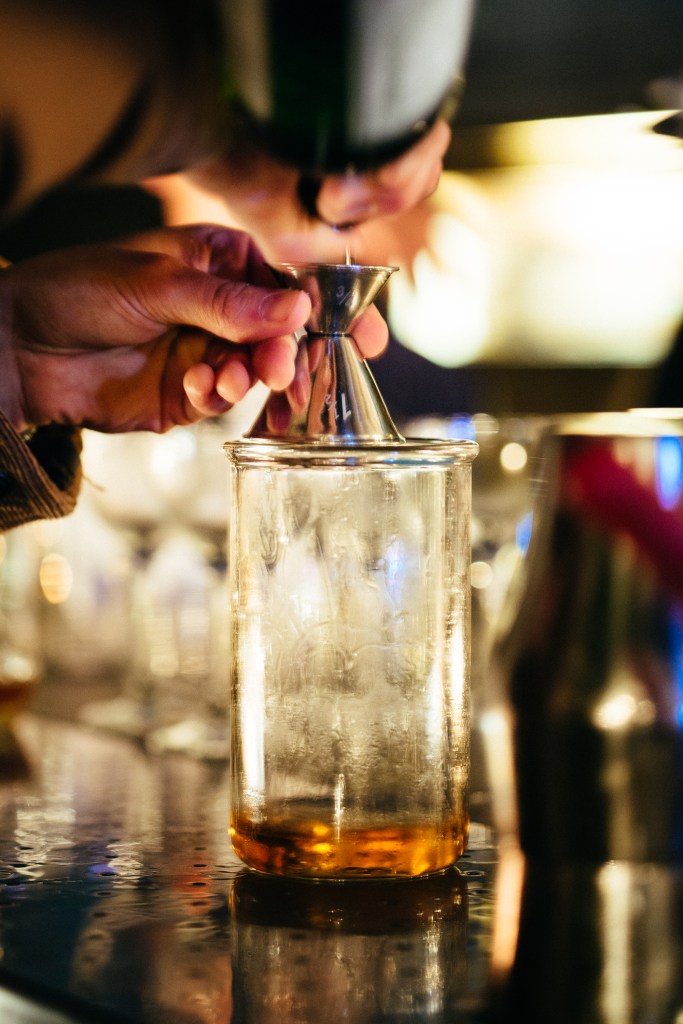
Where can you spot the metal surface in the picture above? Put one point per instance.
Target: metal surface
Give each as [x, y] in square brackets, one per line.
[335, 399]
[339, 292]
[121, 901]
[594, 944]
[590, 657]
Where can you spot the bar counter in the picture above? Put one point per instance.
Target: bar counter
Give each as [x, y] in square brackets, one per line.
[121, 901]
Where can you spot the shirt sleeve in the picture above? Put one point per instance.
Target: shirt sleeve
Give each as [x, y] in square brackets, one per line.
[40, 477]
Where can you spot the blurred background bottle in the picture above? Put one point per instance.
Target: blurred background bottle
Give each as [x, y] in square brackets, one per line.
[585, 678]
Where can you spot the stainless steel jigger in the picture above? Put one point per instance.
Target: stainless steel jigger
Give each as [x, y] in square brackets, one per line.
[339, 401]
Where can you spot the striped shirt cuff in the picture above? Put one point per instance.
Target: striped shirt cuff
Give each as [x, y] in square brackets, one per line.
[39, 478]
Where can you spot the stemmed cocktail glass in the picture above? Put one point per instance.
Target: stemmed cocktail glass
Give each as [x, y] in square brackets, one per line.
[190, 475]
[117, 471]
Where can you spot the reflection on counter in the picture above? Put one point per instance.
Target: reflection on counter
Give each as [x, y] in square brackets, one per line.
[377, 951]
[121, 899]
[589, 944]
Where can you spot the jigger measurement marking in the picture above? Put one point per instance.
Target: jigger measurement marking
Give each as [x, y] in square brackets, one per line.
[344, 399]
[345, 411]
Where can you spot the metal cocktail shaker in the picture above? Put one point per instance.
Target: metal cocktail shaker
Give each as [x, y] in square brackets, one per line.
[349, 567]
[590, 662]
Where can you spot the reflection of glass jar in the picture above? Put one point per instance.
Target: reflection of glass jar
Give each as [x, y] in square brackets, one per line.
[356, 952]
[350, 703]
[21, 662]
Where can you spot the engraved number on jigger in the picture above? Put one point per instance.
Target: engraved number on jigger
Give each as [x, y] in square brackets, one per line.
[343, 295]
[345, 411]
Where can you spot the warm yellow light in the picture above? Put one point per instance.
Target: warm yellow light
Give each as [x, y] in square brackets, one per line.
[513, 457]
[481, 575]
[621, 710]
[603, 140]
[442, 308]
[567, 251]
[56, 578]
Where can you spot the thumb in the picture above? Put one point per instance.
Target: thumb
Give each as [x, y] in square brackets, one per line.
[233, 310]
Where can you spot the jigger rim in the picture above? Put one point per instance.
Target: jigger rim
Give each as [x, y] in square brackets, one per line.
[318, 264]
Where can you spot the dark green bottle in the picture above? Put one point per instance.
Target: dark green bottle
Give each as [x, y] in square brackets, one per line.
[338, 85]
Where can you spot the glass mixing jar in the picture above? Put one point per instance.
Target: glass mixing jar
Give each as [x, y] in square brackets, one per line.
[349, 570]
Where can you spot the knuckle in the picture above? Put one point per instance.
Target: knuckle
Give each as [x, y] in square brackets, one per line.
[232, 304]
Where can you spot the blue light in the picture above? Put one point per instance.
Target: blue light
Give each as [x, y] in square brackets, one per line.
[523, 532]
[461, 428]
[669, 470]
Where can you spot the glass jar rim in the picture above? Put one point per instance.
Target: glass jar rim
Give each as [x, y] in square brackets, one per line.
[408, 451]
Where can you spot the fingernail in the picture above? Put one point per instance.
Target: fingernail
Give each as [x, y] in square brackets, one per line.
[279, 306]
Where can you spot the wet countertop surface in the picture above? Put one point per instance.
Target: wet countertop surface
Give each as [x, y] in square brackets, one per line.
[121, 901]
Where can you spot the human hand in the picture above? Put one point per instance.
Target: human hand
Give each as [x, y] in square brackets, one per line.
[160, 329]
[262, 196]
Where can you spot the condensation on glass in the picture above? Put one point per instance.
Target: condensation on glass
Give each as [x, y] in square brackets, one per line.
[351, 645]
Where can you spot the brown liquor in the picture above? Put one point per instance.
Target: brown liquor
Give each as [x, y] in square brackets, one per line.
[15, 696]
[311, 848]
